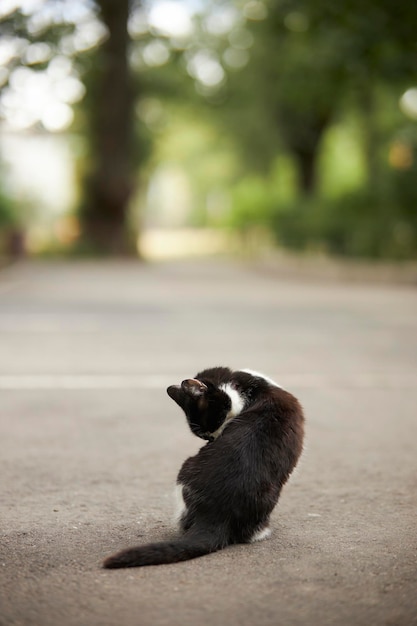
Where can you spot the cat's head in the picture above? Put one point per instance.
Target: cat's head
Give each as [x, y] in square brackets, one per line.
[206, 407]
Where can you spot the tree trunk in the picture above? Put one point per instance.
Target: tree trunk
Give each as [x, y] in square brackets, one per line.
[302, 134]
[109, 183]
[306, 160]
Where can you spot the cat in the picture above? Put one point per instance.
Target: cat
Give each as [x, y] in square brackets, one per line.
[254, 431]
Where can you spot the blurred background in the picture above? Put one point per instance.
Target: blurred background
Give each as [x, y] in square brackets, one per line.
[279, 130]
[165, 127]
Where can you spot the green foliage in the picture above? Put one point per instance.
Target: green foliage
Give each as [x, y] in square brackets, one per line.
[255, 198]
[357, 224]
[252, 204]
[293, 135]
[8, 215]
[322, 87]
[11, 233]
[346, 218]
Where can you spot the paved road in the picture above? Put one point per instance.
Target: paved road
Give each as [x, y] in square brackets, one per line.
[90, 445]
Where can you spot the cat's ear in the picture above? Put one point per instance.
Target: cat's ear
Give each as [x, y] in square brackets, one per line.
[194, 387]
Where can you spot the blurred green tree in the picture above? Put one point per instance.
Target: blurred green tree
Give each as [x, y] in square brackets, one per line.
[311, 66]
[276, 74]
[310, 62]
[94, 37]
[122, 61]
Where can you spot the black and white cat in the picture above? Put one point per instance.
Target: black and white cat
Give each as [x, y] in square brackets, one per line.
[228, 490]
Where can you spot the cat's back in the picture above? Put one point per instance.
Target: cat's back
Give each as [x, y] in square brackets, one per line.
[274, 414]
[268, 432]
[268, 405]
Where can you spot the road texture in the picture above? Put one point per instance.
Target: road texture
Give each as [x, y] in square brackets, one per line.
[91, 444]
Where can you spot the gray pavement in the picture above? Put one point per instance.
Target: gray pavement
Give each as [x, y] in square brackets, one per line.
[91, 444]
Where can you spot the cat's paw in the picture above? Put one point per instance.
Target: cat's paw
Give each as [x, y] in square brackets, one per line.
[260, 535]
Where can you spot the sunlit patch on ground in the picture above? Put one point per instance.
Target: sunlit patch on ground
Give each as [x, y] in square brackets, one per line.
[157, 244]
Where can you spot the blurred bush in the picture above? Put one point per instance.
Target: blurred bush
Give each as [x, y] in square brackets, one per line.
[377, 224]
[11, 231]
[7, 212]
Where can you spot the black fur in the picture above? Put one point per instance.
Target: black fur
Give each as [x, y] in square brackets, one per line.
[232, 485]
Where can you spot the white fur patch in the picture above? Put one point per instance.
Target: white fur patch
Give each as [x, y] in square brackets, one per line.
[237, 400]
[259, 375]
[259, 535]
[238, 404]
[180, 506]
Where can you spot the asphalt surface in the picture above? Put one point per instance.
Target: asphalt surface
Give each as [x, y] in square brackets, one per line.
[91, 444]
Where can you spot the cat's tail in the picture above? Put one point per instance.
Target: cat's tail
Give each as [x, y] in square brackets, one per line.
[188, 547]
